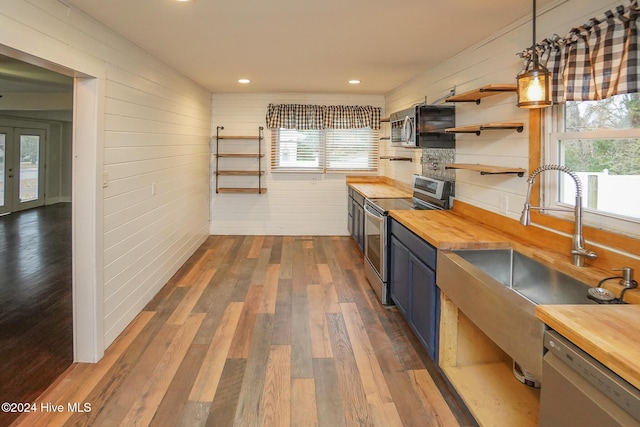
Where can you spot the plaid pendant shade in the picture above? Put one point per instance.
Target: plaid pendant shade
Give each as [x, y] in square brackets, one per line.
[596, 60]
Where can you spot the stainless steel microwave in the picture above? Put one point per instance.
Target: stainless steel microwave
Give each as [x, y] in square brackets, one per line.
[423, 126]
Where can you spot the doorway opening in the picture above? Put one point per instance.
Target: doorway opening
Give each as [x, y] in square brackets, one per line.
[36, 297]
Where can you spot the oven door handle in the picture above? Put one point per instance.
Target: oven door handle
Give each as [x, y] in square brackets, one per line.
[373, 214]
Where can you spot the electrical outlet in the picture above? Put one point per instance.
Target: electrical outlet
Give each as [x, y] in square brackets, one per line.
[503, 205]
[105, 179]
[153, 189]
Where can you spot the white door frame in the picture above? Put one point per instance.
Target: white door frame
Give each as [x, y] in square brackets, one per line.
[87, 198]
[7, 173]
[87, 216]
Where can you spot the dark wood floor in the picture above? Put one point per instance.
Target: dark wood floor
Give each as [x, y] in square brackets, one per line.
[36, 342]
[260, 331]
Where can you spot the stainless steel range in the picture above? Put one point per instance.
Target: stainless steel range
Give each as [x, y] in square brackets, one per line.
[428, 194]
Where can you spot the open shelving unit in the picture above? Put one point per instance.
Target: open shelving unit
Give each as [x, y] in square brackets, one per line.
[256, 171]
[475, 96]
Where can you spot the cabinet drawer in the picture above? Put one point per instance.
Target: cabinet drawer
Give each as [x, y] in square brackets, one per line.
[421, 249]
[357, 197]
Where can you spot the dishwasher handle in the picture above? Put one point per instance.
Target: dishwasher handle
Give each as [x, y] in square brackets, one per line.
[373, 214]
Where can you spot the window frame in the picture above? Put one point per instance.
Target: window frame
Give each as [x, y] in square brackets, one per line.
[324, 155]
[552, 134]
[595, 235]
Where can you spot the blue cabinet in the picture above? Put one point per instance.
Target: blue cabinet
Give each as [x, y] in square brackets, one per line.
[355, 224]
[399, 274]
[412, 282]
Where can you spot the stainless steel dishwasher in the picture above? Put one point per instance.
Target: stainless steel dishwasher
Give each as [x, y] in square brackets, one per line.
[577, 390]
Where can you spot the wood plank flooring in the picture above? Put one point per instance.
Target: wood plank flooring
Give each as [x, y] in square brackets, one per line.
[36, 342]
[260, 331]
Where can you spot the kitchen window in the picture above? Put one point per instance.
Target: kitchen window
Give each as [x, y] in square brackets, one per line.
[600, 141]
[325, 150]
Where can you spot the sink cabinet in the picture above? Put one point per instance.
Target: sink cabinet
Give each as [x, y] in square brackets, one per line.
[355, 218]
[484, 324]
[412, 282]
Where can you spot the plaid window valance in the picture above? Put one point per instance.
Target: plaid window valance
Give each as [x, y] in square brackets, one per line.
[299, 116]
[596, 60]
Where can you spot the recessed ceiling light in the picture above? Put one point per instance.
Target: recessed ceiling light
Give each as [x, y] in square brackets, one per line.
[244, 81]
[354, 82]
[182, 1]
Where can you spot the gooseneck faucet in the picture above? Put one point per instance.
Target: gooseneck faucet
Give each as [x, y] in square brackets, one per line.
[578, 251]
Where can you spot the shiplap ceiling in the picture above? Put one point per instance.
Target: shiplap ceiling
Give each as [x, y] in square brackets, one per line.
[305, 46]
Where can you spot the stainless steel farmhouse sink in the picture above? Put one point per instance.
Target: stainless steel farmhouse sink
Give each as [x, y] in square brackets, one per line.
[498, 290]
[528, 277]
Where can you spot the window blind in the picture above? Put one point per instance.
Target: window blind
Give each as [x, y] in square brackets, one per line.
[327, 150]
[351, 149]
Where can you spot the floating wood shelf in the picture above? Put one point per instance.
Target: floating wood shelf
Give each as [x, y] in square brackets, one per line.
[238, 137]
[487, 169]
[385, 120]
[242, 190]
[397, 158]
[239, 155]
[477, 94]
[249, 173]
[385, 138]
[477, 129]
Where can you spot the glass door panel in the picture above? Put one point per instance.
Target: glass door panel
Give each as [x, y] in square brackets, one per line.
[21, 169]
[29, 187]
[30, 163]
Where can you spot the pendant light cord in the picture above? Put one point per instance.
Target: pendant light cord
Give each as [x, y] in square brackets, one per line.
[534, 51]
[534, 24]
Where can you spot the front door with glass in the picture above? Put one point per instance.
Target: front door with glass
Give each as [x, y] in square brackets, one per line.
[21, 168]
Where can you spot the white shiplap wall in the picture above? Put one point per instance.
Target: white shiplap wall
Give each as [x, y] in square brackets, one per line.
[295, 203]
[492, 61]
[153, 142]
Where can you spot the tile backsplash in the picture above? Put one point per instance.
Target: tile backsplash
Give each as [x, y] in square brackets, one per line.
[433, 162]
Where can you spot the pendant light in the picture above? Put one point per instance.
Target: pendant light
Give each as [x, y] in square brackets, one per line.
[533, 80]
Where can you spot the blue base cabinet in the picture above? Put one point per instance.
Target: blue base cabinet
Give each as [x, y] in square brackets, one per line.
[412, 283]
[355, 224]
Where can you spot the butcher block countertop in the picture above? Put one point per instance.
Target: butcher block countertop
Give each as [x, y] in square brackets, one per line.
[449, 230]
[609, 333]
[379, 187]
[382, 191]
